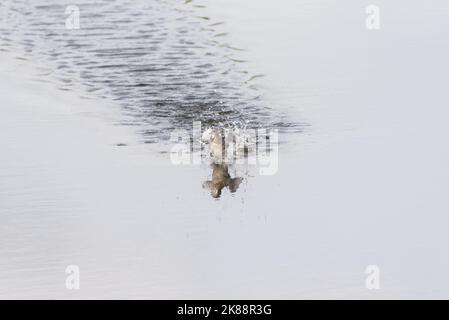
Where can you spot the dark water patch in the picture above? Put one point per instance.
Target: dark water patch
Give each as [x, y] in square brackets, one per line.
[166, 63]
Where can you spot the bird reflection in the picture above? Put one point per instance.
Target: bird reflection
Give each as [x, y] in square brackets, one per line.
[221, 179]
[219, 142]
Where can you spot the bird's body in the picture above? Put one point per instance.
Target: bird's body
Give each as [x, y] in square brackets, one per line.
[219, 142]
[224, 144]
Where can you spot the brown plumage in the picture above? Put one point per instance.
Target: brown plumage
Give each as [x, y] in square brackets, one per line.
[220, 180]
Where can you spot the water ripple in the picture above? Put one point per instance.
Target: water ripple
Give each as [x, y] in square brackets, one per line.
[165, 62]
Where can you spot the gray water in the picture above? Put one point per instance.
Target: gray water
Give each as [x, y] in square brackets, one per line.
[165, 62]
[362, 178]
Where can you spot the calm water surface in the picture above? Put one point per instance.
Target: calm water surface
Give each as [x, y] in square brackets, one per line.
[362, 176]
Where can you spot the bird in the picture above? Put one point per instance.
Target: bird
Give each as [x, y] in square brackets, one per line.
[225, 143]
